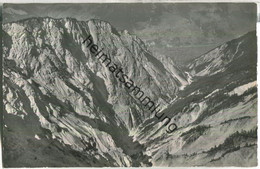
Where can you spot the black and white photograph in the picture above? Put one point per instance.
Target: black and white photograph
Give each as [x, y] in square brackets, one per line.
[129, 84]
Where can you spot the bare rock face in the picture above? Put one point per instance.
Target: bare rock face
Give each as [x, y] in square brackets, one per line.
[216, 114]
[58, 96]
[50, 73]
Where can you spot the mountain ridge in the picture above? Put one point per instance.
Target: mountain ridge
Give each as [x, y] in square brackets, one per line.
[50, 74]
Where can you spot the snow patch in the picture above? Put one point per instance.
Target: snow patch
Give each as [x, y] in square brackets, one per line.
[215, 91]
[241, 89]
[37, 137]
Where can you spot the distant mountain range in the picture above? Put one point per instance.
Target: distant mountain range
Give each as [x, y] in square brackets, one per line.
[181, 31]
[63, 108]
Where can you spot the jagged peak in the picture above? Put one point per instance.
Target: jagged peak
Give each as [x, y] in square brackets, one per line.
[66, 19]
[71, 19]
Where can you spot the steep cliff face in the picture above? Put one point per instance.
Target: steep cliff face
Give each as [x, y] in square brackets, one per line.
[50, 73]
[60, 97]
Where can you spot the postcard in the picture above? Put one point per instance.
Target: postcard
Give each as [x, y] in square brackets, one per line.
[129, 85]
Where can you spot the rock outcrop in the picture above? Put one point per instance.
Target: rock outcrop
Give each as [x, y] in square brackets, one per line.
[60, 101]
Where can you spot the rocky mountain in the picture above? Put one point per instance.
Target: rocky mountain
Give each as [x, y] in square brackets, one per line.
[62, 107]
[216, 114]
[50, 73]
[180, 30]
